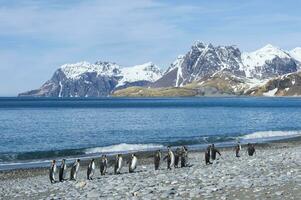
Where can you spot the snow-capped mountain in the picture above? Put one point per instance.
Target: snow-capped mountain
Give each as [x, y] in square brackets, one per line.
[205, 60]
[84, 79]
[268, 62]
[205, 68]
[201, 61]
[75, 71]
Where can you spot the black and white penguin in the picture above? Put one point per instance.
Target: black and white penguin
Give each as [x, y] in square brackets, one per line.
[91, 169]
[170, 159]
[157, 159]
[214, 150]
[118, 164]
[74, 169]
[63, 168]
[52, 171]
[133, 163]
[103, 164]
[184, 156]
[177, 157]
[207, 155]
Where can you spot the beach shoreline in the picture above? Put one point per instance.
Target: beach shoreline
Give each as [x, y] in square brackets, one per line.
[145, 157]
[277, 165]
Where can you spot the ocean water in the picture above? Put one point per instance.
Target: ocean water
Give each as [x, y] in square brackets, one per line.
[38, 129]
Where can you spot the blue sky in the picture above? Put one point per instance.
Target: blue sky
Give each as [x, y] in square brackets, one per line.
[36, 37]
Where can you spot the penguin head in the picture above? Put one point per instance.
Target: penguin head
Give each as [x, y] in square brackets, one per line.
[92, 159]
[78, 160]
[53, 161]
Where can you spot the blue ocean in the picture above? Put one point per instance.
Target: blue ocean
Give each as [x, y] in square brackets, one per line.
[34, 130]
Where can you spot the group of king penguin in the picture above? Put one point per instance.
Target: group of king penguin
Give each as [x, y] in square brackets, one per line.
[173, 160]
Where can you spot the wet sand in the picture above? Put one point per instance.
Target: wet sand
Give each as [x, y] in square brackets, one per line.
[273, 173]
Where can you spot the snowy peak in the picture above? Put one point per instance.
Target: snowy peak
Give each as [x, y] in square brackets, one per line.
[268, 62]
[145, 72]
[74, 71]
[296, 53]
[202, 60]
[261, 56]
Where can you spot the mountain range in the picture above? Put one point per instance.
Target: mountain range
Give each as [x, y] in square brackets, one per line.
[204, 70]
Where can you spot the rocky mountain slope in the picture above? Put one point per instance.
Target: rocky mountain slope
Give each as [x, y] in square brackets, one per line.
[286, 85]
[204, 70]
[201, 61]
[205, 60]
[92, 80]
[268, 62]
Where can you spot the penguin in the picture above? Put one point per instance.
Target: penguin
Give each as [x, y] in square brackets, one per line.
[91, 169]
[74, 170]
[251, 149]
[157, 159]
[237, 149]
[52, 171]
[177, 157]
[170, 159]
[103, 164]
[118, 164]
[209, 150]
[207, 156]
[63, 168]
[184, 157]
[132, 163]
[214, 151]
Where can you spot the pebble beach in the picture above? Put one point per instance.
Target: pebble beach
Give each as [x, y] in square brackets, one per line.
[274, 172]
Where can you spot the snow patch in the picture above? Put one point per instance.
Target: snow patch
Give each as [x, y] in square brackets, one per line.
[145, 72]
[253, 82]
[61, 89]
[270, 93]
[293, 81]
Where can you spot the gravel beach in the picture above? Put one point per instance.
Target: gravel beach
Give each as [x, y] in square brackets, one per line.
[273, 173]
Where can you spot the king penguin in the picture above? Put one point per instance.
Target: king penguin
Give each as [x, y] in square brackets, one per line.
[91, 169]
[63, 168]
[118, 164]
[52, 171]
[74, 170]
[132, 163]
[103, 164]
[157, 159]
[170, 158]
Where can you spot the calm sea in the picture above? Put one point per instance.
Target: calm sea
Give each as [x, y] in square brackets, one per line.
[37, 129]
